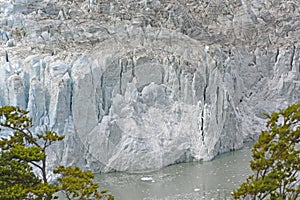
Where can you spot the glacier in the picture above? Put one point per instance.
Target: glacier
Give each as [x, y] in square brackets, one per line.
[140, 85]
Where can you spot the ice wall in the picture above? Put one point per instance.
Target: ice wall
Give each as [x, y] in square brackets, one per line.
[139, 85]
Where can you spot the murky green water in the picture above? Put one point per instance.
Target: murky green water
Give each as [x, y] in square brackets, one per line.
[208, 180]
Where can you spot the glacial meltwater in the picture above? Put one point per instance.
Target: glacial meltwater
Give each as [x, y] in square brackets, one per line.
[194, 181]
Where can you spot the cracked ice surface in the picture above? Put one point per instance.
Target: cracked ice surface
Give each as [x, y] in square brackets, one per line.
[139, 85]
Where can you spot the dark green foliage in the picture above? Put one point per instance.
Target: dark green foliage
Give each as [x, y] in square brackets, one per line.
[19, 152]
[77, 184]
[276, 159]
[23, 150]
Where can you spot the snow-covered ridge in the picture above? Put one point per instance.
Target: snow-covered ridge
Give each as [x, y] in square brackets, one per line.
[138, 85]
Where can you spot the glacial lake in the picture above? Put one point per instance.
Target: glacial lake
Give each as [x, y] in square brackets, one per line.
[186, 181]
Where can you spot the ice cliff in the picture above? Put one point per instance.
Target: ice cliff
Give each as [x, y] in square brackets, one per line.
[139, 85]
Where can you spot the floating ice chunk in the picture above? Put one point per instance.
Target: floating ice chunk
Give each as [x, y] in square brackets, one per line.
[147, 179]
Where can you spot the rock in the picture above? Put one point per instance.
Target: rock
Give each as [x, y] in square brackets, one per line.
[140, 86]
